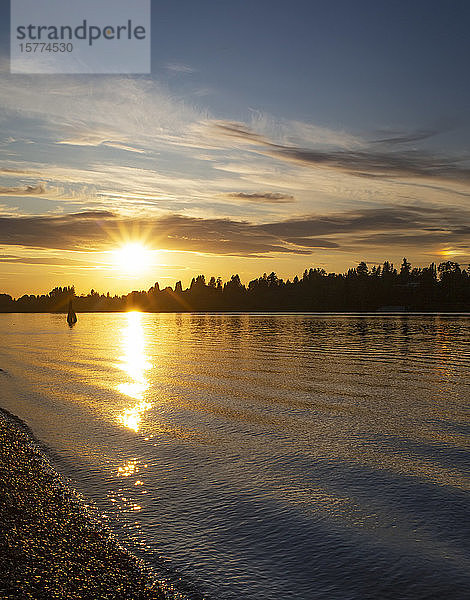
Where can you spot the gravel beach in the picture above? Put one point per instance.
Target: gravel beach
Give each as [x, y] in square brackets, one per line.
[50, 547]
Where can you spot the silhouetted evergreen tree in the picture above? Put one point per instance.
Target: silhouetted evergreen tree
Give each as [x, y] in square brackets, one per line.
[446, 287]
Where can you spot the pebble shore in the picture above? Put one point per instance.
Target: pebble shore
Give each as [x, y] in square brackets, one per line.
[50, 546]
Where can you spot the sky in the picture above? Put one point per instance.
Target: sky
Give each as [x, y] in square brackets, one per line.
[270, 136]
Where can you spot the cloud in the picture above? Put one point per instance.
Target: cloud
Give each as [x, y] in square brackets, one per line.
[162, 167]
[32, 260]
[128, 111]
[414, 240]
[312, 242]
[24, 171]
[405, 138]
[96, 139]
[392, 218]
[360, 162]
[29, 190]
[268, 197]
[100, 230]
[176, 67]
[301, 133]
[237, 130]
[392, 137]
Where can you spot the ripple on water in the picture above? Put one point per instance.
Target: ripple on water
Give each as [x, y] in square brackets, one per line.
[261, 456]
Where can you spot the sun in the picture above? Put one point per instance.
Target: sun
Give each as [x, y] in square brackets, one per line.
[132, 258]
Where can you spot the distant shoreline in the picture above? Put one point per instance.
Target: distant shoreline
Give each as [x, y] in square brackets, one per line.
[351, 313]
[436, 288]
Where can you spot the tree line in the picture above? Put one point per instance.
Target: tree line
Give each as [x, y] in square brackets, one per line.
[445, 287]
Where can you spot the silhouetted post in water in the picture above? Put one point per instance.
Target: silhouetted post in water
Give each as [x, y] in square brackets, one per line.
[71, 316]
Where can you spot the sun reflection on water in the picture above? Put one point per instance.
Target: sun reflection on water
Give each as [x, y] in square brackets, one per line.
[128, 469]
[134, 363]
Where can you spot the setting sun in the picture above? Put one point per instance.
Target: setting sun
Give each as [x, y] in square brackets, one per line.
[132, 258]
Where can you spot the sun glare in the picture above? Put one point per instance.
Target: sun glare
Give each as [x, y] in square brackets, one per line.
[132, 258]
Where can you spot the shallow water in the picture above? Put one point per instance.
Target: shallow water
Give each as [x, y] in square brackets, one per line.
[261, 456]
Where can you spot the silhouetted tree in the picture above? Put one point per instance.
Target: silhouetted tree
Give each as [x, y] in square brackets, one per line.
[446, 287]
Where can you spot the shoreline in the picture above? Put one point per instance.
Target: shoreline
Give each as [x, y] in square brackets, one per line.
[51, 545]
[339, 313]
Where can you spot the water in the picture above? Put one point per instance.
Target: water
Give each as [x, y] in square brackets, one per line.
[262, 457]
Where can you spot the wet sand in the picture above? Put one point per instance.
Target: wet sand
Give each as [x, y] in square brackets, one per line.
[50, 545]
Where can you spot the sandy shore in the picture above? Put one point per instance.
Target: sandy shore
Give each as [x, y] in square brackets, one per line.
[50, 546]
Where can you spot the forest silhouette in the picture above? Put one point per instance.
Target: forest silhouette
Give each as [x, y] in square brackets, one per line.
[445, 287]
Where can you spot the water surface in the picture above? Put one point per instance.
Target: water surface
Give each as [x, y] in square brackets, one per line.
[262, 456]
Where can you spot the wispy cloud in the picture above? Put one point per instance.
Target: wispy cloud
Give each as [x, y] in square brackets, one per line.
[115, 109]
[312, 242]
[43, 260]
[177, 67]
[358, 162]
[96, 139]
[99, 230]
[268, 197]
[22, 171]
[129, 146]
[399, 137]
[29, 190]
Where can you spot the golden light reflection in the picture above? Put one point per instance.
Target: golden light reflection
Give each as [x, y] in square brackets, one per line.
[134, 363]
[132, 417]
[128, 469]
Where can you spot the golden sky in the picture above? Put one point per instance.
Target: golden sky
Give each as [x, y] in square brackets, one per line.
[268, 167]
